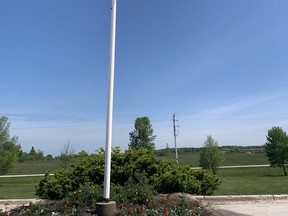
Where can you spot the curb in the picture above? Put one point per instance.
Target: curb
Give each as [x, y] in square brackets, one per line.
[218, 200]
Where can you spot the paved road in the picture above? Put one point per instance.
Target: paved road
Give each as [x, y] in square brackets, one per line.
[242, 166]
[253, 205]
[251, 209]
[28, 175]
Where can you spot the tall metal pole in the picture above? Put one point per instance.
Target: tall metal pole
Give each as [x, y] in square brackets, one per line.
[107, 172]
[175, 135]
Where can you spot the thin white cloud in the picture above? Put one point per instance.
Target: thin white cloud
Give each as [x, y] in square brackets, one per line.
[244, 121]
[247, 103]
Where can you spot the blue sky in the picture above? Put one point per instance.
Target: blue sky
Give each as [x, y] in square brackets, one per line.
[221, 66]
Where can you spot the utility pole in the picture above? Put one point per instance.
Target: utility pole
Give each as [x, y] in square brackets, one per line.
[175, 135]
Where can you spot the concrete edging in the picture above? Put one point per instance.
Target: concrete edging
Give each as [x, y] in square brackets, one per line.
[242, 198]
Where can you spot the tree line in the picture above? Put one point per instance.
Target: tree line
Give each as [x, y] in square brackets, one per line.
[142, 137]
[211, 155]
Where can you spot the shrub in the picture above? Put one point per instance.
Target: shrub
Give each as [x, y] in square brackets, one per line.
[184, 179]
[159, 174]
[135, 190]
[87, 195]
[55, 187]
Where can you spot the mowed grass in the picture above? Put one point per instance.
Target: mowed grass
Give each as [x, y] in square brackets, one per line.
[18, 188]
[235, 181]
[243, 181]
[24, 187]
[230, 159]
[252, 181]
[35, 167]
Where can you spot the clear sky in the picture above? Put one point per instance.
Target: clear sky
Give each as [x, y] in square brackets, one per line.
[221, 66]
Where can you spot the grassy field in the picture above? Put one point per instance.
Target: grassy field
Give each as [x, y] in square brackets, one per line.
[35, 167]
[249, 181]
[189, 158]
[24, 187]
[232, 159]
[236, 181]
[18, 188]
[243, 181]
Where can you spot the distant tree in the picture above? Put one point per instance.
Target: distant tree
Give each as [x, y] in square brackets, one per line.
[67, 155]
[22, 156]
[211, 156]
[167, 150]
[32, 151]
[49, 157]
[39, 155]
[32, 155]
[276, 148]
[9, 147]
[83, 154]
[142, 136]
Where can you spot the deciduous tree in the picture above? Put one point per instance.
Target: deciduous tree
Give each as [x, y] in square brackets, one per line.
[67, 155]
[9, 147]
[211, 157]
[276, 148]
[142, 136]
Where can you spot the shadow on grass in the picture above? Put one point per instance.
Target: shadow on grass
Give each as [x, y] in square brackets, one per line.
[275, 175]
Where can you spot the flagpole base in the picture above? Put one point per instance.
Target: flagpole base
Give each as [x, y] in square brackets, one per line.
[106, 208]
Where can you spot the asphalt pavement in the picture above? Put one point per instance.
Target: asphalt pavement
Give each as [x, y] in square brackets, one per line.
[253, 205]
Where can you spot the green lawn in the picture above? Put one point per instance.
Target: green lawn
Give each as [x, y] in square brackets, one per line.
[24, 187]
[230, 159]
[18, 188]
[35, 167]
[243, 181]
[249, 181]
[236, 181]
[234, 159]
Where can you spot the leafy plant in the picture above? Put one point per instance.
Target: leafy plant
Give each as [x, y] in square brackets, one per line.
[170, 207]
[276, 148]
[87, 195]
[135, 190]
[211, 156]
[55, 187]
[131, 167]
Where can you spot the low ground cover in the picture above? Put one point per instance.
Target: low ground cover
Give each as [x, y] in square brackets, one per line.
[18, 188]
[163, 204]
[185, 158]
[252, 181]
[35, 167]
[230, 159]
[234, 181]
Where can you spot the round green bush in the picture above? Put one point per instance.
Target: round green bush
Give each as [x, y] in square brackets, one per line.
[163, 176]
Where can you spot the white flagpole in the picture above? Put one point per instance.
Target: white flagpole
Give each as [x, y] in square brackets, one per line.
[107, 173]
